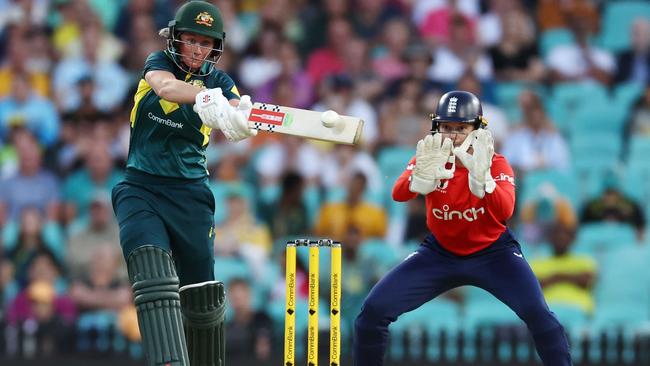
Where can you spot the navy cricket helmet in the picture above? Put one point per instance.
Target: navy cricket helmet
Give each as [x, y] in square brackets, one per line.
[458, 106]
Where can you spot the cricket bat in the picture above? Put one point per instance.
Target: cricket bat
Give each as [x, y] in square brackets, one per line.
[306, 123]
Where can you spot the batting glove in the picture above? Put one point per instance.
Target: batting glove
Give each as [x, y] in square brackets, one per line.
[216, 112]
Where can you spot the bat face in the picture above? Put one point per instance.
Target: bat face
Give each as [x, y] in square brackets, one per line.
[303, 123]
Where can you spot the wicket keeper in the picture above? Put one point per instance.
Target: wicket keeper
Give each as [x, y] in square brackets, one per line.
[470, 194]
[164, 206]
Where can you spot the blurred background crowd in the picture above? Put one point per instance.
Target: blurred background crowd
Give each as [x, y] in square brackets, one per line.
[565, 86]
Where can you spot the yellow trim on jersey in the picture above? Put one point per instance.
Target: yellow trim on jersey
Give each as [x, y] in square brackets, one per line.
[234, 90]
[143, 89]
[168, 106]
[205, 130]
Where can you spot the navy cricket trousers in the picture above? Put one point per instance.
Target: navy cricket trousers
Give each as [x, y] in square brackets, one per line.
[499, 269]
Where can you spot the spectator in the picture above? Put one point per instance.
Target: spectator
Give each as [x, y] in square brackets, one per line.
[101, 229]
[330, 59]
[157, 11]
[335, 217]
[23, 104]
[249, 331]
[315, 22]
[419, 59]
[241, 235]
[613, 206]
[287, 217]
[32, 237]
[102, 287]
[567, 279]
[40, 316]
[553, 14]
[99, 174]
[368, 86]
[536, 144]
[459, 55]
[634, 64]
[17, 62]
[438, 25]
[490, 25]
[404, 118]
[292, 86]
[498, 123]
[31, 185]
[396, 36]
[515, 57]
[339, 94]
[545, 209]
[262, 64]
[581, 61]
[639, 122]
[46, 271]
[359, 275]
[416, 215]
[423, 8]
[110, 80]
[67, 29]
[338, 168]
[370, 17]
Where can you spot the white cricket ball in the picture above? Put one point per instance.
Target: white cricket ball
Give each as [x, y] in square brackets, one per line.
[330, 119]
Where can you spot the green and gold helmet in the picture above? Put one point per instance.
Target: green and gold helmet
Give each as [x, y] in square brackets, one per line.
[198, 17]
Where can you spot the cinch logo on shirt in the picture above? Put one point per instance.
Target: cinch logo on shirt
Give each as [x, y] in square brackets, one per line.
[505, 178]
[471, 214]
[166, 122]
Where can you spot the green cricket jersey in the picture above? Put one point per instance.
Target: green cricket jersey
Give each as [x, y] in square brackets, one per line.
[168, 139]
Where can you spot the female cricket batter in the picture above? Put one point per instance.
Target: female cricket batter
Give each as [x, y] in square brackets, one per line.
[164, 206]
[469, 244]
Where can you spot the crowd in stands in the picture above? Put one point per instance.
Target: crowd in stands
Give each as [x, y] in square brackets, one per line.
[565, 86]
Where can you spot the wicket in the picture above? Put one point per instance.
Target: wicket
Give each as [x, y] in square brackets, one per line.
[335, 301]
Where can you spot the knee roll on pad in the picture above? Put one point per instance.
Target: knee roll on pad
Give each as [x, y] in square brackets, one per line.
[155, 291]
[204, 307]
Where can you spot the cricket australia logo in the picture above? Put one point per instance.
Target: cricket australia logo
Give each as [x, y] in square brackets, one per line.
[204, 18]
[451, 107]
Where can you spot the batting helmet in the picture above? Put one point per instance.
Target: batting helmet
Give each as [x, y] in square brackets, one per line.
[198, 17]
[458, 106]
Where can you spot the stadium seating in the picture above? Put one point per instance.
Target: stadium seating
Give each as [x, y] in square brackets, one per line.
[616, 21]
[600, 239]
[434, 318]
[566, 100]
[221, 190]
[552, 38]
[564, 182]
[507, 95]
[392, 161]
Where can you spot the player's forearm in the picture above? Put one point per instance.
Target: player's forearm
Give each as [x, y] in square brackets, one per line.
[501, 202]
[401, 191]
[178, 91]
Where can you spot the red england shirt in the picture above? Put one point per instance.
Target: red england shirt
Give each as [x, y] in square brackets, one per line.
[461, 222]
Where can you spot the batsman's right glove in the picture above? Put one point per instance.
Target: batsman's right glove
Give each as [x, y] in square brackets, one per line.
[216, 112]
